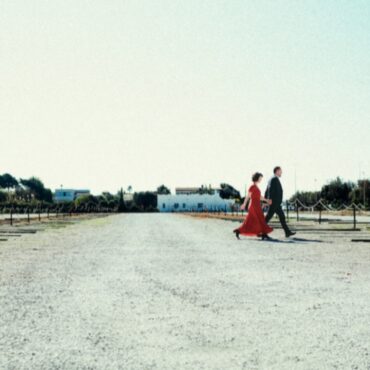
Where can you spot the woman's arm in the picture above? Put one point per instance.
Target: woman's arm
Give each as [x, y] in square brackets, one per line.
[242, 207]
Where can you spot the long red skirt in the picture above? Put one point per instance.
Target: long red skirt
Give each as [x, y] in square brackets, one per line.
[254, 223]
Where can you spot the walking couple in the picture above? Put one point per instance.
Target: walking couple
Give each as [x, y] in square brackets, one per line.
[255, 223]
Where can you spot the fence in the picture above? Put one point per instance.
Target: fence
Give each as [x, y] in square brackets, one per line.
[298, 207]
[31, 215]
[12, 216]
[321, 207]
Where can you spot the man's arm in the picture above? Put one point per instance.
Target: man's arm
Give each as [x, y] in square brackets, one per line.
[273, 188]
[268, 189]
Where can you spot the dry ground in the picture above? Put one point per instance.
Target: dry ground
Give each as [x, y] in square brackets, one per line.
[163, 291]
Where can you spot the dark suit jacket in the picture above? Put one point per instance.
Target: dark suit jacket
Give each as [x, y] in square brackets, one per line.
[274, 191]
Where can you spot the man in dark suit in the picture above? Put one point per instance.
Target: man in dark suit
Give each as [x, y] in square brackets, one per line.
[274, 192]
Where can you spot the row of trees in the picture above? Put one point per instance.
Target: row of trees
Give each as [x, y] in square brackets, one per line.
[23, 195]
[107, 202]
[337, 192]
[26, 190]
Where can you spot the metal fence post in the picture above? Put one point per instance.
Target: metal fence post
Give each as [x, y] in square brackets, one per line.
[11, 216]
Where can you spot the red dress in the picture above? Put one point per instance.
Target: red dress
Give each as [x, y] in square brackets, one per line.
[254, 223]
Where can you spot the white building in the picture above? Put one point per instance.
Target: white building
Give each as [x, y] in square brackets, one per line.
[193, 202]
[69, 195]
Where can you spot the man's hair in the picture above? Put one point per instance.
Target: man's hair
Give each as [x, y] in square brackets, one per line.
[256, 176]
[277, 168]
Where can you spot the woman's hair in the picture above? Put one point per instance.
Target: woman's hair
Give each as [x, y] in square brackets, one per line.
[256, 176]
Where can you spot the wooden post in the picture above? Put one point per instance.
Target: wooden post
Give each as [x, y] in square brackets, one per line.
[11, 216]
[297, 209]
[39, 214]
[320, 214]
[354, 217]
[287, 211]
[28, 215]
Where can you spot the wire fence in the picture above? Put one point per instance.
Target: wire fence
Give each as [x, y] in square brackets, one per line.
[296, 207]
[29, 215]
[320, 206]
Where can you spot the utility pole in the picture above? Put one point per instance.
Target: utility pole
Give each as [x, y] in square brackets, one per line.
[295, 180]
[364, 187]
[364, 191]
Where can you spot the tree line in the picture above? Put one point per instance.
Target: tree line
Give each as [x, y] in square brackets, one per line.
[31, 195]
[23, 190]
[24, 195]
[337, 192]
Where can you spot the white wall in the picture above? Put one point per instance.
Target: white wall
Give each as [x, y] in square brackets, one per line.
[192, 202]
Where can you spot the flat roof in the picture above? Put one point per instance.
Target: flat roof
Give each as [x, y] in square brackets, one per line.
[76, 190]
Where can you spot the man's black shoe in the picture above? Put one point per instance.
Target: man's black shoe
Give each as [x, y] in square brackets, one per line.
[265, 237]
[290, 233]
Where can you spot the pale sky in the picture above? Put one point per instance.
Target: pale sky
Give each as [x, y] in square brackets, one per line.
[104, 94]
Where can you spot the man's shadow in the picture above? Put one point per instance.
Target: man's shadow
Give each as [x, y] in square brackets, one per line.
[291, 241]
[308, 240]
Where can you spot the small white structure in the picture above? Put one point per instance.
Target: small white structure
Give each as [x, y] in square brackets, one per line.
[69, 195]
[128, 197]
[193, 202]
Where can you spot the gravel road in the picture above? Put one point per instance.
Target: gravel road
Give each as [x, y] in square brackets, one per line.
[164, 291]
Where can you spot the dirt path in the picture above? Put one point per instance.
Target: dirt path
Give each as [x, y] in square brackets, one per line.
[163, 291]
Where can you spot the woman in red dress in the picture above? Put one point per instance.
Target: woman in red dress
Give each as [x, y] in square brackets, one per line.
[254, 223]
